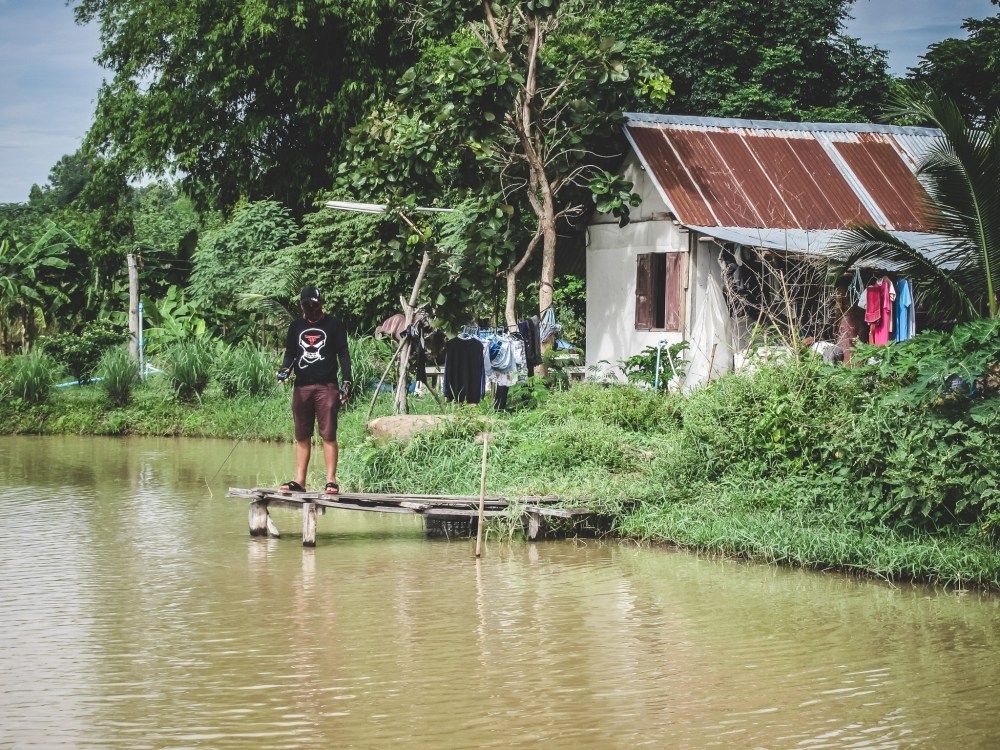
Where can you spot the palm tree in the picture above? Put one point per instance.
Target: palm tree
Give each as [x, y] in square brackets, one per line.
[957, 277]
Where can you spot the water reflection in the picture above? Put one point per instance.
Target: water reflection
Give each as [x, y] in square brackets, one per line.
[138, 612]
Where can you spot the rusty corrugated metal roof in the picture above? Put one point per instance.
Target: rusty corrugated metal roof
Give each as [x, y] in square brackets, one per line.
[779, 175]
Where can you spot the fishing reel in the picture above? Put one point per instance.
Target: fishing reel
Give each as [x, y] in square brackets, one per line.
[283, 375]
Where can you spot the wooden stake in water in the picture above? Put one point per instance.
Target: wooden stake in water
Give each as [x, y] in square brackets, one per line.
[485, 436]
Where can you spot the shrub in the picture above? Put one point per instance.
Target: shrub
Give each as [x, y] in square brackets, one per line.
[624, 406]
[31, 376]
[189, 367]
[80, 352]
[656, 366]
[245, 371]
[118, 372]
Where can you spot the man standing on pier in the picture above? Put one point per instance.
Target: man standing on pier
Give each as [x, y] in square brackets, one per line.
[314, 346]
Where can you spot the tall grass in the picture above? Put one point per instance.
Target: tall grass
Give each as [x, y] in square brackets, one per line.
[369, 356]
[118, 373]
[31, 376]
[189, 367]
[245, 370]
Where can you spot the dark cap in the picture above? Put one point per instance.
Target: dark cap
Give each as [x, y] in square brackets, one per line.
[310, 296]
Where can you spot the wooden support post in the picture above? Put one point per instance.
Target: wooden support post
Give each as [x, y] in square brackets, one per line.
[272, 530]
[259, 519]
[308, 524]
[534, 525]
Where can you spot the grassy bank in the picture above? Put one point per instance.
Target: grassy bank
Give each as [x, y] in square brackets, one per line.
[870, 470]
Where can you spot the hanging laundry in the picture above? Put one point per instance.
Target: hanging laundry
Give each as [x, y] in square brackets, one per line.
[547, 326]
[873, 311]
[856, 290]
[464, 370]
[532, 346]
[906, 316]
[879, 298]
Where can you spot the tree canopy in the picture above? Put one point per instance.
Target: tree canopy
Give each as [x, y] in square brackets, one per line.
[774, 59]
[241, 98]
[967, 71]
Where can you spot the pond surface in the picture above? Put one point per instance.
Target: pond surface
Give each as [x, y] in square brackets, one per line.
[136, 611]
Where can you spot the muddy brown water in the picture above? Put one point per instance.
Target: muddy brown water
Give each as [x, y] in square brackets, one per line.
[135, 611]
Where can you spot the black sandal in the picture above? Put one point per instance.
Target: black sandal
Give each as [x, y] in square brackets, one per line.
[292, 487]
[332, 488]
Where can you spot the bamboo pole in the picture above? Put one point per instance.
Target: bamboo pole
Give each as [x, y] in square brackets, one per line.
[711, 363]
[482, 496]
[385, 373]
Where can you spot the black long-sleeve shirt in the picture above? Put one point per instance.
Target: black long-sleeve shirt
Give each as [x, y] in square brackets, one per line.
[314, 350]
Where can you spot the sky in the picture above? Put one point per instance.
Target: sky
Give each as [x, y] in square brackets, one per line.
[49, 80]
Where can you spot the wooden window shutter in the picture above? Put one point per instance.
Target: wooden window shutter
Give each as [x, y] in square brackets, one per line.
[644, 292]
[673, 302]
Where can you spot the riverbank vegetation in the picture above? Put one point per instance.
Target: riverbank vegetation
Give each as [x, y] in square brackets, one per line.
[509, 112]
[797, 462]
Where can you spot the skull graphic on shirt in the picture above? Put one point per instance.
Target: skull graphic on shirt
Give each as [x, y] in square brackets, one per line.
[311, 342]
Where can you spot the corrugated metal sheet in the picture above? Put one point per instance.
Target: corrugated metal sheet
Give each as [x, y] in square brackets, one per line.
[822, 243]
[807, 176]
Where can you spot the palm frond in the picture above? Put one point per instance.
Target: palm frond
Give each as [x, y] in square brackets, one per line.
[961, 175]
[270, 307]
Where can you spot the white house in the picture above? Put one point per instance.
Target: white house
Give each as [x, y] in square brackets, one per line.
[713, 189]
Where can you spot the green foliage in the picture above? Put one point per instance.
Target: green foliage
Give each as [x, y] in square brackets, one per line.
[530, 394]
[623, 406]
[251, 253]
[613, 194]
[656, 366]
[773, 59]
[369, 357]
[166, 229]
[118, 373]
[967, 71]
[31, 279]
[349, 257]
[245, 370]
[31, 377]
[80, 352]
[189, 366]
[172, 319]
[570, 302]
[934, 397]
[245, 99]
[470, 126]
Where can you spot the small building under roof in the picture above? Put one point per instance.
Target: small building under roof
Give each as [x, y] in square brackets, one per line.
[728, 199]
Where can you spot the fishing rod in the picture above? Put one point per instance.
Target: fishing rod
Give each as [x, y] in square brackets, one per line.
[282, 378]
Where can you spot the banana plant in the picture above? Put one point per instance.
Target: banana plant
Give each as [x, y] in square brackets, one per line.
[28, 290]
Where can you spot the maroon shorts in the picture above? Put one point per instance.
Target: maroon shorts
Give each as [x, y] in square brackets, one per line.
[317, 403]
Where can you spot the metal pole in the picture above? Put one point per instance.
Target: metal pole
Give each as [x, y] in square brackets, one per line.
[133, 307]
[142, 359]
[656, 374]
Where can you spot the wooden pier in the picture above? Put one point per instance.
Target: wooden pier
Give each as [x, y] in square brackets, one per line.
[533, 512]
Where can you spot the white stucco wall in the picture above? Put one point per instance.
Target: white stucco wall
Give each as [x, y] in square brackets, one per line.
[611, 267]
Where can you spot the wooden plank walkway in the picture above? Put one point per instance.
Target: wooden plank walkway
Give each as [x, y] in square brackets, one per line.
[533, 510]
